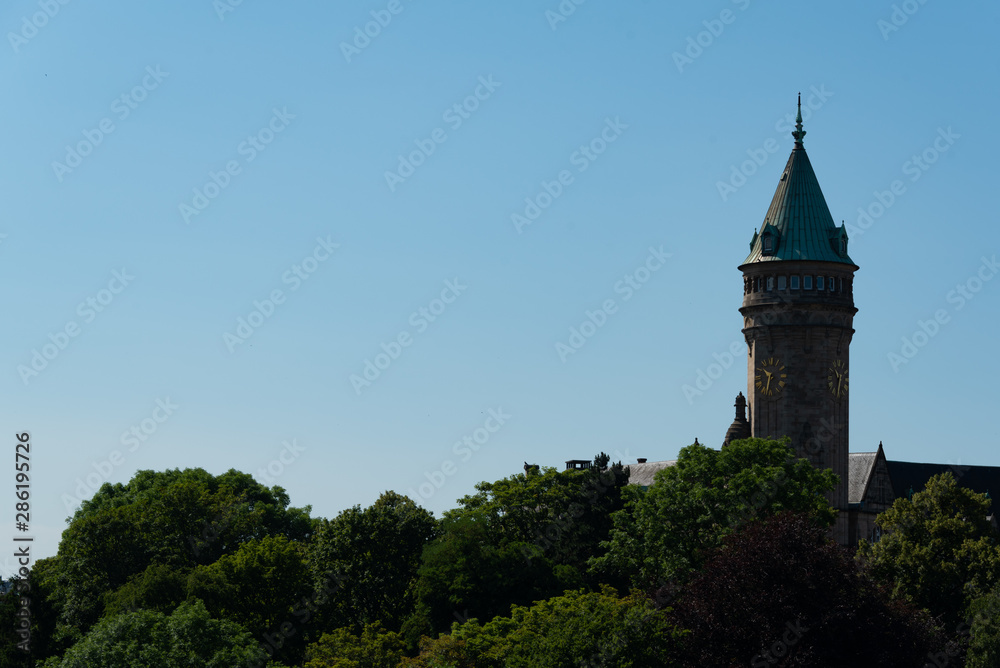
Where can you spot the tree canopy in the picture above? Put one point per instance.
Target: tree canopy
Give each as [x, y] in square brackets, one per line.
[187, 638]
[374, 554]
[134, 546]
[663, 533]
[577, 628]
[779, 589]
[517, 540]
[938, 548]
[723, 560]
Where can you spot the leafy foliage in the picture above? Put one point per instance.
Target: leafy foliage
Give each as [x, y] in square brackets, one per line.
[374, 648]
[517, 540]
[257, 586]
[188, 638]
[186, 568]
[664, 532]
[465, 573]
[780, 589]
[375, 554]
[160, 588]
[575, 629]
[563, 514]
[984, 630]
[938, 548]
[175, 518]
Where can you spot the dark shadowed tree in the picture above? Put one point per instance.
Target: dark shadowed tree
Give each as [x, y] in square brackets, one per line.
[780, 592]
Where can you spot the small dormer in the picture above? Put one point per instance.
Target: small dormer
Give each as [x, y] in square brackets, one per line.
[838, 240]
[768, 240]
[754, 240]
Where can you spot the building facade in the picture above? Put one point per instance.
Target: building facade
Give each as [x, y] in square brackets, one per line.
[798, 322]
[798, 313]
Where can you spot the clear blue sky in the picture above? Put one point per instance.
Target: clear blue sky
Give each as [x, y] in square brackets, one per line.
[329, 122]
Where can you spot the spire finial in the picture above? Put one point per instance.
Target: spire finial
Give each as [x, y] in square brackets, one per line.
[799, 133]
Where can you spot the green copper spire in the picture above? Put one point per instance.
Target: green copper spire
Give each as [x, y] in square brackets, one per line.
[799, 132]
[798, 224]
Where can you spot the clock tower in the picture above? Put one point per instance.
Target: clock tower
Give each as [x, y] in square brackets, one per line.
[798, 312]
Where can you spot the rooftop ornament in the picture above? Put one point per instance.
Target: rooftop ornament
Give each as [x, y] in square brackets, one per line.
[799, 133]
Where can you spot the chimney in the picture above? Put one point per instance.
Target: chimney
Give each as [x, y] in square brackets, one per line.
[641, 460]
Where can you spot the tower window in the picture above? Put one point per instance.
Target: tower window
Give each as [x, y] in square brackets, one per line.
[781, 282]
[819, 282]
[770, 283]
[795, 282]
[768, 243]
[833, 283]
[843, 246]
[807, 282]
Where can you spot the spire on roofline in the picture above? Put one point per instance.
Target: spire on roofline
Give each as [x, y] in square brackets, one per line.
[798, 225]
[799, 133]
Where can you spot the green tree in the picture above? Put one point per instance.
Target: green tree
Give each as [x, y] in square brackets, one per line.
[565, 515]
[160, 588]
[188, 638]
[175, 518]
[374, 648]
[517, 540]
[258, 586]
[938, 548]
[575, 629]
[375, 554]
[983, 627]
[664, 533]
[468, 572]
[43, 617]
[12, 656]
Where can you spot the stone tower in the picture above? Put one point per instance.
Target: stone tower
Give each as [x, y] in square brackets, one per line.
[798, 312]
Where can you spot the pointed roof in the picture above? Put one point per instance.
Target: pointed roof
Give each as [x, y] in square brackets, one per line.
[798, 221]
[740, 428]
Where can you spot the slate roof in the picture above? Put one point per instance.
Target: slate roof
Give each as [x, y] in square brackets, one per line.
[904, 475]
[642, 474]
[859, 470]
[980, 479]
[914, 475]
[799, 215]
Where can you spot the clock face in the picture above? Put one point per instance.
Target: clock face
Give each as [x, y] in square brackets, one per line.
[769, 378]
[836, 379]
